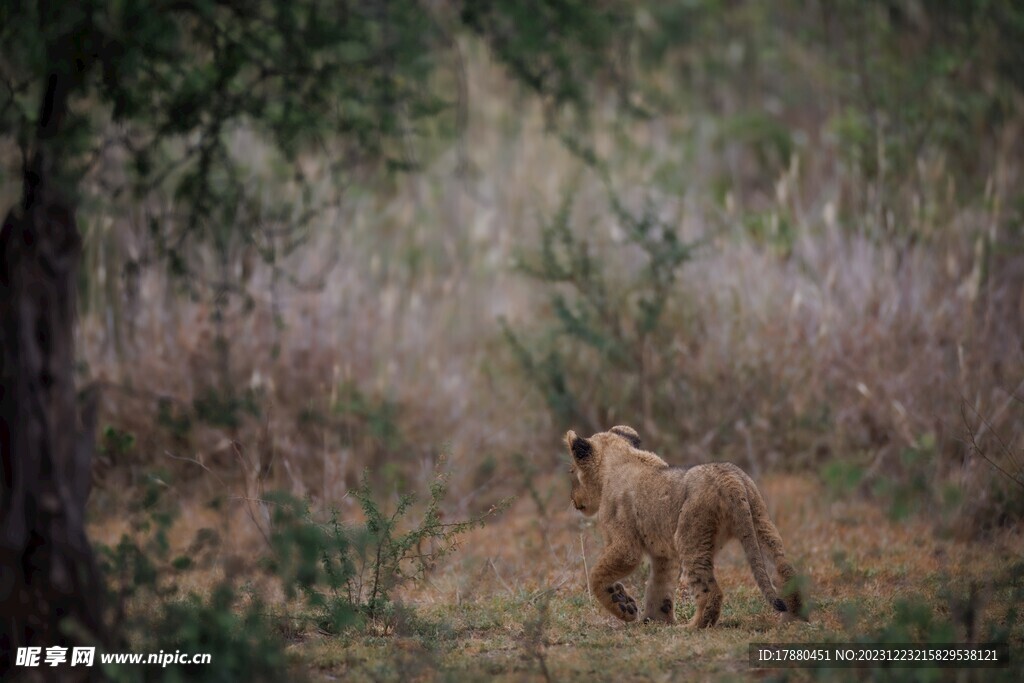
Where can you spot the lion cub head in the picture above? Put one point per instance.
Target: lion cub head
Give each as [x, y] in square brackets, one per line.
[588, 458]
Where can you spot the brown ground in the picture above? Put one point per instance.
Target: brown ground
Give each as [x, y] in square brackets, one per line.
[512, 603]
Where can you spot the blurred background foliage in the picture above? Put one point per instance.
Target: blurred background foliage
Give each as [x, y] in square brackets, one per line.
[783, 233]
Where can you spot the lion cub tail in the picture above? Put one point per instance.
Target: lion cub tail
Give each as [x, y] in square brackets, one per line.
[746, 531]
[771, 543]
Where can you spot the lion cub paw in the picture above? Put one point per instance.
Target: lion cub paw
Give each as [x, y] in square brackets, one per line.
[627, 610]
[664, 613]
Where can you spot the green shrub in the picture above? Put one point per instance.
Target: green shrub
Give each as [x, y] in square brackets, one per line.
[605, 316]
[347, 573]
[335, 576]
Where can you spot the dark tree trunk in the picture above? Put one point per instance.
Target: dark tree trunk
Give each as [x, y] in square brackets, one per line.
[51, 592]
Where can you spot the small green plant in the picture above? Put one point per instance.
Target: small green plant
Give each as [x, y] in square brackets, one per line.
[388, 556]
[347, 573]
[313, 561]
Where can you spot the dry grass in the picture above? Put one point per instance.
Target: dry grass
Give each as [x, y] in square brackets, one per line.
[515, 596]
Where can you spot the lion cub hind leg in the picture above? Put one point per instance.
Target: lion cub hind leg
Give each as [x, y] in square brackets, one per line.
[698, 556]
[708, 597]
[615, 563]
[659, 599]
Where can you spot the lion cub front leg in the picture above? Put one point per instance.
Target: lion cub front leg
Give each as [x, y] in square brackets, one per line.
[616, 562]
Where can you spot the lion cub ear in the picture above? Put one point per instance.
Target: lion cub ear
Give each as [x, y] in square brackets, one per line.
[627, 433]
[581, 448]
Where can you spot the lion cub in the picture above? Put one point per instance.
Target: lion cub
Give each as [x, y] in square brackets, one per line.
[680, 518]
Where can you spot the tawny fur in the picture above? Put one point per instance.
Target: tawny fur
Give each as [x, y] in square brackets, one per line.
[679, 518]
